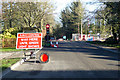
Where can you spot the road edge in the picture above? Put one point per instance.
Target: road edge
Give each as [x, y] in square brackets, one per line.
[103, 48]
[14, 66]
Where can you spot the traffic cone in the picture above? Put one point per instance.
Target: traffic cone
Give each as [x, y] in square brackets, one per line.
[52, 45]
[57, 43]
[83, 37]
[93, 38]
[51, 42]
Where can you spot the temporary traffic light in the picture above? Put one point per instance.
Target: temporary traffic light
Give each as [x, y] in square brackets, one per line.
[47, 28]
[44, 57]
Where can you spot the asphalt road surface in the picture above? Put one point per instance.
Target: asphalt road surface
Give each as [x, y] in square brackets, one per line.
[70, 60]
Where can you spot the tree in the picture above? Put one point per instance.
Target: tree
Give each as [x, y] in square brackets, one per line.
[57, 31]
[109, 19]
[31, 13]
[27, 14]
[114, 18]
[8, 16]
[71, 18]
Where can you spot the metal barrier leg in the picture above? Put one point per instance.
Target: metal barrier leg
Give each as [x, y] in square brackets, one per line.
[35, 56]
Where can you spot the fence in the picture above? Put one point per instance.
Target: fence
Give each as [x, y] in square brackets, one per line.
[8, 42]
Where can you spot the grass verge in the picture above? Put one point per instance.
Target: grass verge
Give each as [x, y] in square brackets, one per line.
[9, 49]
[6, 63]
[104, 44]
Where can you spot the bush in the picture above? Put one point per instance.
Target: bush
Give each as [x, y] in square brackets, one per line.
[110, 40]
[9, 33]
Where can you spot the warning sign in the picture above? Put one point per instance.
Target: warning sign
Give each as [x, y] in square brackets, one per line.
[29, 41]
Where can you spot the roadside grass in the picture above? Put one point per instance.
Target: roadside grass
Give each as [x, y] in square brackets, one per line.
[6, 63]
[104, 44]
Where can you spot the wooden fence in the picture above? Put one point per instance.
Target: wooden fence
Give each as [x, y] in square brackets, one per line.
[8, 42]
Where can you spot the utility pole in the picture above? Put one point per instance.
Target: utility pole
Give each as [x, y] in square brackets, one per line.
[10, 21]
[81, 30]
[41, 25]
[88, 26]
[78, 29]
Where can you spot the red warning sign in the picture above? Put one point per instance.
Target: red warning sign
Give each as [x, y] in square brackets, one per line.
[29, 41]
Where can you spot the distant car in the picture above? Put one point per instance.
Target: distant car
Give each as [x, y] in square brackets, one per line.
[60, 39]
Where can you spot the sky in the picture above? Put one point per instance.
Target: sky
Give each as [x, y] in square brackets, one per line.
[61, 4]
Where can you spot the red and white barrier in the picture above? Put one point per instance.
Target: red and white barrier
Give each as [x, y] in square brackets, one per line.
[84, 38]
[52, 45]
[57, 43]
[93, 38]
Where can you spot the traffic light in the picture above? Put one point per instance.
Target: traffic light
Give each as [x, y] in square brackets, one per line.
[47, 28]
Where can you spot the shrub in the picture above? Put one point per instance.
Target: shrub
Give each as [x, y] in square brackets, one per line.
[9, 33]
[110, 40]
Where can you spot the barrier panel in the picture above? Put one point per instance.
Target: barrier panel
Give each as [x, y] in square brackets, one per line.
[90, 38]
[29, 41]
[54, 45]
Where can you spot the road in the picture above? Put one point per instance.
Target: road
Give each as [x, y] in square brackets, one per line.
[70, 60]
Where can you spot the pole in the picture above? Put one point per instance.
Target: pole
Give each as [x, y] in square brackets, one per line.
[81, 30]
[41, 24]
[78, 29]
[35, 56]
[88, 27]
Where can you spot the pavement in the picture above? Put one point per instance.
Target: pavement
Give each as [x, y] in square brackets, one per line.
[70, 60]
[13, 54]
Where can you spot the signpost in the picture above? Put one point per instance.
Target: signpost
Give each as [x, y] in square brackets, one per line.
[29, 41]
[47, 37]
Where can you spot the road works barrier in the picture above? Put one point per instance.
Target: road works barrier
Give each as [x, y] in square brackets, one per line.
[54, 45]
[29, 41]
[84, 38]
[90, 38]
[44, 58]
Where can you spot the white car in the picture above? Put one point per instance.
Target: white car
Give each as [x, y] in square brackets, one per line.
[60, 39]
